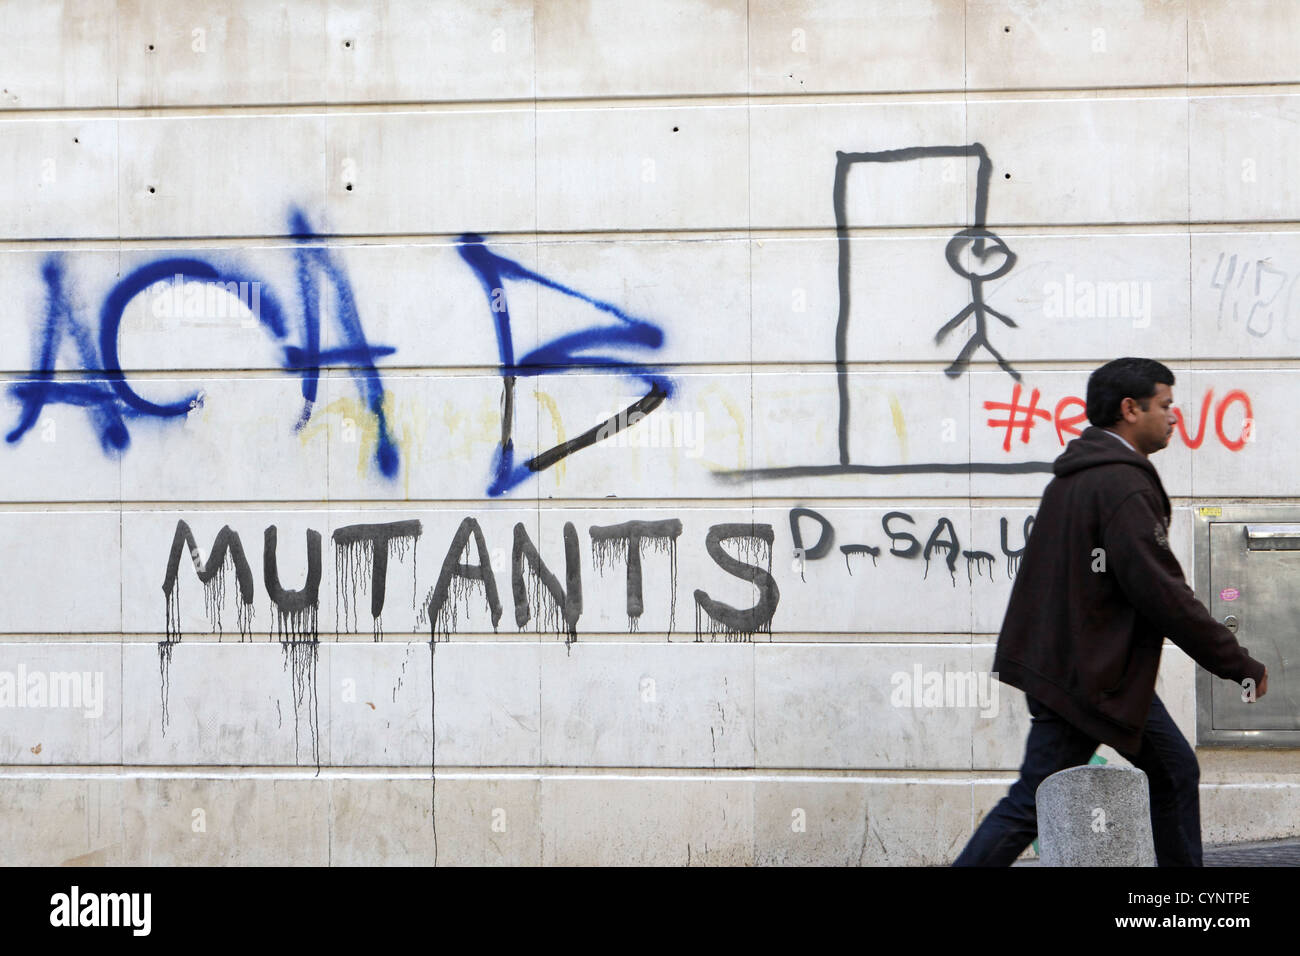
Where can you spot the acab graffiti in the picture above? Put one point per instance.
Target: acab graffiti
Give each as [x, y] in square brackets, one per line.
[112, 401]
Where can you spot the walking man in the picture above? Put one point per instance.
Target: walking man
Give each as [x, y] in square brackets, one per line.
[1097, 593]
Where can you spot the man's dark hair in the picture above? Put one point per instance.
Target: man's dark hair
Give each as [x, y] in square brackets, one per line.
[1134, 378]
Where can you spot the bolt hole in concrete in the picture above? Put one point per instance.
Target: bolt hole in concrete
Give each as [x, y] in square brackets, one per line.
[76, 140]
[151, 189]
[150, 47]
[674, 129]
[347, 44]
[348, 187]
[1006, 29]
[1006, 175]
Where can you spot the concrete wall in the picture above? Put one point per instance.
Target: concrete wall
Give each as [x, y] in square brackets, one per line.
[640, 197]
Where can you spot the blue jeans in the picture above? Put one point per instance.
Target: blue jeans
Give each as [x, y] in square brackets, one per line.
[1173, 778]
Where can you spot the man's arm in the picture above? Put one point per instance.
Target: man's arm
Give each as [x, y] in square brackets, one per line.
[1138, 553]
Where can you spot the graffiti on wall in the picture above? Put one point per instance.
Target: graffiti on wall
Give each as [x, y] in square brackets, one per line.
[112, 401]
[942, 544]
[1251, 293]
[1023, 413]
[1256, 296]
[545, 593]
[592, 347]
[323, 306]
[995, 259]
[365, 553]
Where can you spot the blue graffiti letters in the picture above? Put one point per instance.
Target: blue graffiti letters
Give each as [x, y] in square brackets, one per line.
[323, 286]
[111, 400]
[567, 353]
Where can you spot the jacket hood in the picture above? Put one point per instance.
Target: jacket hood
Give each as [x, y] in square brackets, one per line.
[1096, 447]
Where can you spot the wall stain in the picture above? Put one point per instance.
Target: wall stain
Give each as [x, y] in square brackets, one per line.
[545, 400]
[900, 425]
[737, 416]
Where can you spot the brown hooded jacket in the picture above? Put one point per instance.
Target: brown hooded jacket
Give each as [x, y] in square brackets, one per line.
[1098, 591]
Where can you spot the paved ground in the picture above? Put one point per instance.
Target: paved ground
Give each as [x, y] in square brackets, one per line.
[1267, 853]
[1270, 853]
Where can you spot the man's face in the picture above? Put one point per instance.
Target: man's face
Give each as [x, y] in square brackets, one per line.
[1154, 427]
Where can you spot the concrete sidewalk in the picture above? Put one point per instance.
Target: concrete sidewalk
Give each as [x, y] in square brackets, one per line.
[1266, 853]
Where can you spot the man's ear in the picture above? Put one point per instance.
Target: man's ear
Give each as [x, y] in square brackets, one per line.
[1128, 409]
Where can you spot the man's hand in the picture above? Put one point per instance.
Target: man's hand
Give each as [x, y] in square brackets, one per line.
[1262, 689]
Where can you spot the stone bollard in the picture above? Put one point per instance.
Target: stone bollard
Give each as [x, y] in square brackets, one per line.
[1095, 816]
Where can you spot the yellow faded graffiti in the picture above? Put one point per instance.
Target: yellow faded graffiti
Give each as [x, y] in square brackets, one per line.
[358, 424]
[737, 417]
[407, 425]
[900, 426]
[424, 436]
[548, 403]
[433, 435]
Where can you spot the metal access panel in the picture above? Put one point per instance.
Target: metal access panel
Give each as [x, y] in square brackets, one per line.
[1248, 575]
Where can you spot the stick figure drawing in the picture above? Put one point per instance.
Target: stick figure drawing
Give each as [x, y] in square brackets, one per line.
[983, 245]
